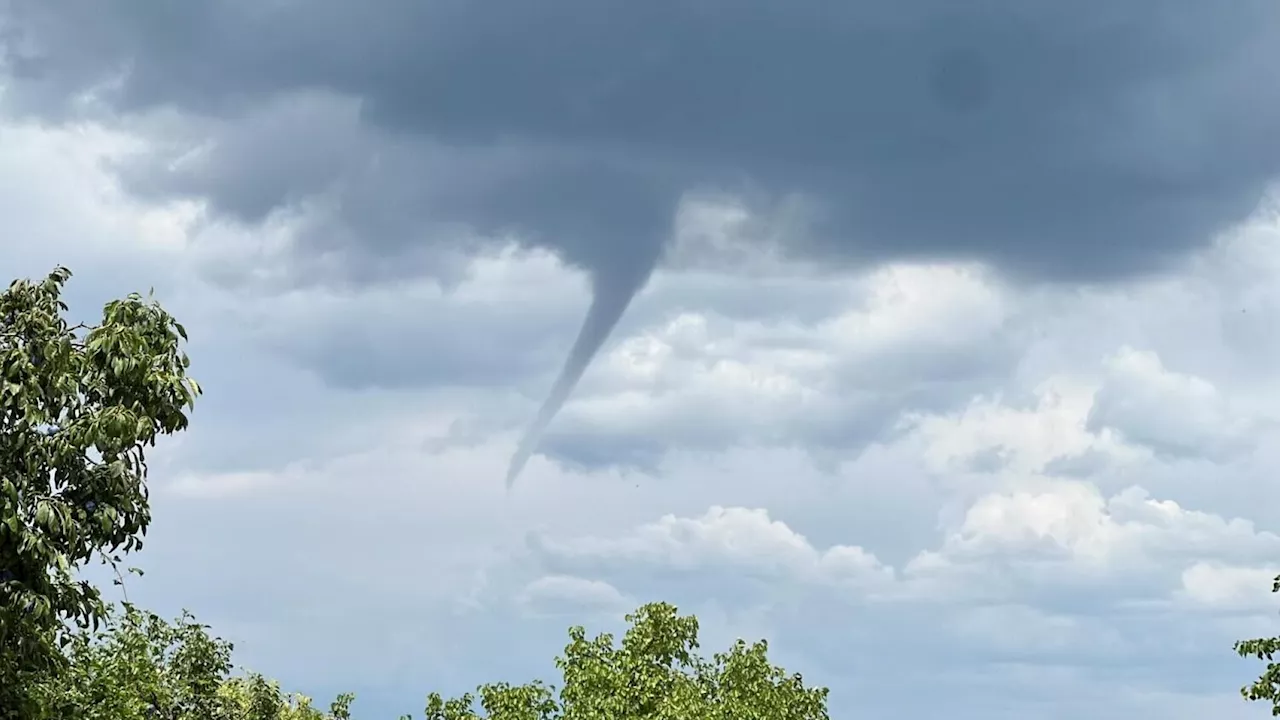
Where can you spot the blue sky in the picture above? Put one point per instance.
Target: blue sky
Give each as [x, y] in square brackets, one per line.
[944, 351]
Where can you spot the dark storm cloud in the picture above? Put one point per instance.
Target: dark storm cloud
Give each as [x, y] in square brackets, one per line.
[1046, 137]
[1054, 140]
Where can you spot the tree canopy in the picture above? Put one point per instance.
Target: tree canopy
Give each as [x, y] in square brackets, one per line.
[140, 666]
[653, 673]
[1267, 687]
[79, 405]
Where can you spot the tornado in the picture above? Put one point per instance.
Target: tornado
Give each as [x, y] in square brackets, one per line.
[612, 291]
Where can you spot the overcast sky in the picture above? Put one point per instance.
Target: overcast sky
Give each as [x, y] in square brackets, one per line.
[945, 349]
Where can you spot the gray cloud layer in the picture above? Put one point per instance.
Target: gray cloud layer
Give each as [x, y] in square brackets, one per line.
[1052, 142]
[1033, 134]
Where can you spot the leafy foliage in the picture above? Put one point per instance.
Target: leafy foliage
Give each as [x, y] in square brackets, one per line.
[653, 674]
[137, 666]
[1267, 687]
[140, 667]
[78, 406]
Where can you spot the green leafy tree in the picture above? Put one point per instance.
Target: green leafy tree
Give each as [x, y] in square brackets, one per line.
[140, 667]
[653, 674]
[256, 698]
[79, 405]
[1267, 687]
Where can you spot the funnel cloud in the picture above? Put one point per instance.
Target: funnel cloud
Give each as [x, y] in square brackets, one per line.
[611, 295]
[1051, 142]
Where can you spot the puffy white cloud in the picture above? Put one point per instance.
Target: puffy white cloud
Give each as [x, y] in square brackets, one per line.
[1068, 539]
[992, 435]
[1173, 413]
[567, 595]
[740, 538]
[61, 206]
[1008, 545]
[899, 338]
[1075, 518]
[1225, 587]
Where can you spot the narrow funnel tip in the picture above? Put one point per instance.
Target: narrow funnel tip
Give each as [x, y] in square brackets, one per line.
[609, 301]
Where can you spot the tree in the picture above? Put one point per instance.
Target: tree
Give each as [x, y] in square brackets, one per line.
[1267, 687]
[653, 674]
[79, 405]
[140, 667]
